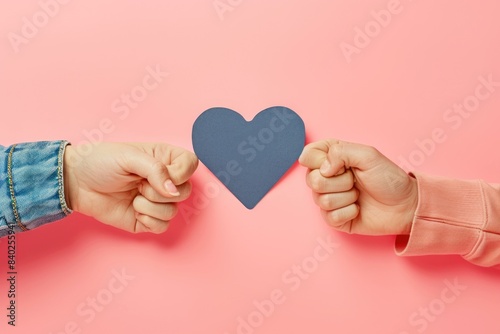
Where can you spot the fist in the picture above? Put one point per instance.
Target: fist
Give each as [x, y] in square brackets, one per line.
[359, 190]
[131, 186]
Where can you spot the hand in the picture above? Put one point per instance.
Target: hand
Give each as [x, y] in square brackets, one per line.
[134, 187]
[358, 189]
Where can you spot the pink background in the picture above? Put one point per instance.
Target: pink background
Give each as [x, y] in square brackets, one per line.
[208, 270]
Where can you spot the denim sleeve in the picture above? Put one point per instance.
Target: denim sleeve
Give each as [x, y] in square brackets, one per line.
[31, 186]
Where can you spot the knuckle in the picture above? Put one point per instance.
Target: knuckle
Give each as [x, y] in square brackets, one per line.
[308, 179]
[371, 150]
[304, 156]
[325, 202]
[195, 161]
[192, 163]
[333, 141]
[160, 228]
[149, 192]
[187, 190]
[317, 182]
[159, 167]
[146, 223]
[337, 217]
[317, 199]
[163, 228]
[372, 153]
[336, 148]
[170, 211]
[136, 203]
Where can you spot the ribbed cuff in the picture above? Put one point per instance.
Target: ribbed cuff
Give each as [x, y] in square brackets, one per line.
[449, 218]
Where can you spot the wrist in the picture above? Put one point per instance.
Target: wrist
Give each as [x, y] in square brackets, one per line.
[70, 181]
[412, 205]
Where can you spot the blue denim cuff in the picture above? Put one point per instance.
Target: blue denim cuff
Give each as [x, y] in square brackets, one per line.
[32, 185]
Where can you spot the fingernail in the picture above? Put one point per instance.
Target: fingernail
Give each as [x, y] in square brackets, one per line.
[325, 167]
[171, 188]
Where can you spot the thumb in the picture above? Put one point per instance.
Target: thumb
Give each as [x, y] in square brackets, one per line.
[344, 155]
[146, 166]
[183, 166]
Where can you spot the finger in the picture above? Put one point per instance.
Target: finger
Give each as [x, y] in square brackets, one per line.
[140, 163]
[346, 155]
[314, 154]
[335, 201]
[146, 223]
[152, 195]
[162, 211]
[183, 166]
[322, 185]
[339, 217]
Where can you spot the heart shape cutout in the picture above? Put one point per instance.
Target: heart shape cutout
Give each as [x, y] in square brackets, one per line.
[249, 158]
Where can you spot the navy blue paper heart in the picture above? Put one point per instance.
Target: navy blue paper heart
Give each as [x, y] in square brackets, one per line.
[249, 158]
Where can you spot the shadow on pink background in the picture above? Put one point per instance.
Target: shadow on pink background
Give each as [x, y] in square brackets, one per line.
[213, 271]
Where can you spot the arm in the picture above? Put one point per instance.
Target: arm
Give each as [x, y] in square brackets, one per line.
[455, 217]
[131, 186]
[361, 191]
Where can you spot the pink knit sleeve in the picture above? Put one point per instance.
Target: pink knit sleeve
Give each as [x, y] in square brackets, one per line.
[455, 217]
